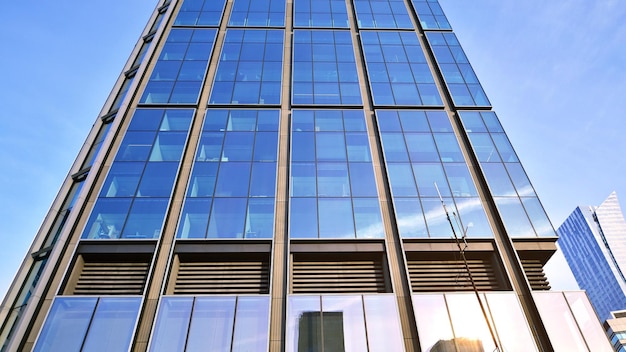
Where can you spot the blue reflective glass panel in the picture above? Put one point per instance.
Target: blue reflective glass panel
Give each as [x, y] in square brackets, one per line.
[145, 218]
[457, 73]
[179, 72]
[89, 324]
[112, 324]
[303, 218]
[66, 325]
[397, 70]
[250, 67]
[331, 164]
[235, 174]
[320, 14]
[324, 69]
[200, 13]
[258, 13]
[423, 161]
[430, 14]
[382, 14]
[203, 323]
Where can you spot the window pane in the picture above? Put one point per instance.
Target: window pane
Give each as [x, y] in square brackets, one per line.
[362, 180]
[510, 322]
[438, 225]
[433, 324]
[460, 180]
[158, 179]
[232, 180]
[113, 325]
[402, 180]
[343, 323]
[409, 218]
[66, 325]
[251, 332]
[263, 180]
[202, 180]
[260, 218]
[498, 180]
[170, 330]
[303, 218]
[227, 218]
[557, 318]
[332, 180]
[211, 325]
[122, 180]
[303, 180]
[335, 218]
[468, 321]
[107, 218]
[145, 218]
[369, 223]
[383, 325]
[514, 217]
[304, 326]
[195, 218]
[473, 218]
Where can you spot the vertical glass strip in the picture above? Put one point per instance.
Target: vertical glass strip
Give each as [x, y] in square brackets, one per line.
[249, 71]
[231, 191]
[135, 195]
[431, 15]
[515, 197]
[324, 69]
[457, 72]
[320, 14]
[397, 69]
[179, 72]
[423, 160]
[333, 190]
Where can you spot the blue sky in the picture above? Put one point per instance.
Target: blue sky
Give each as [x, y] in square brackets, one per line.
[554, 72]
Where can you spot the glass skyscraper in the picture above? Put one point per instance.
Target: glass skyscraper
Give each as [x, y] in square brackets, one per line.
[295, 175]
[593, 242]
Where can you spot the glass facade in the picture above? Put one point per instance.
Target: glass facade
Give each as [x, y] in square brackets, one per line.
[232, 187]
[89, 324]
[222, 323]
[134, 198]
[397, 70]
[250, 68]
[445, 320]
[424, 161]
[178, 75]
[591, 239]
[513, 193]
[324, 70]
[320, 14]
[343, 323]
[274, 175]
[333, 191]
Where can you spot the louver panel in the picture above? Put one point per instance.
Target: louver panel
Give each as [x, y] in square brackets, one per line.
[356, 276]
[234, 277]
[98, 278]
[436, 275]
[535, 274]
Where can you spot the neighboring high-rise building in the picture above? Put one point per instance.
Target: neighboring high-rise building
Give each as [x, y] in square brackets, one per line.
[616, 330]
[272, 175]
[593, 240]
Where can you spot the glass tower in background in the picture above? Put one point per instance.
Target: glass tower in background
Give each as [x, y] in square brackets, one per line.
[593, 242]
[295, 175]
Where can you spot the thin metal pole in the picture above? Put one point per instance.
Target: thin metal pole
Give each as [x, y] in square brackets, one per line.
[469, 272]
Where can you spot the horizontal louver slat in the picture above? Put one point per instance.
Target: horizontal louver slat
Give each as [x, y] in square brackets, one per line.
[434, 275]
[355, 276]
[231, 277]
[535, 274]
[97, 278]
